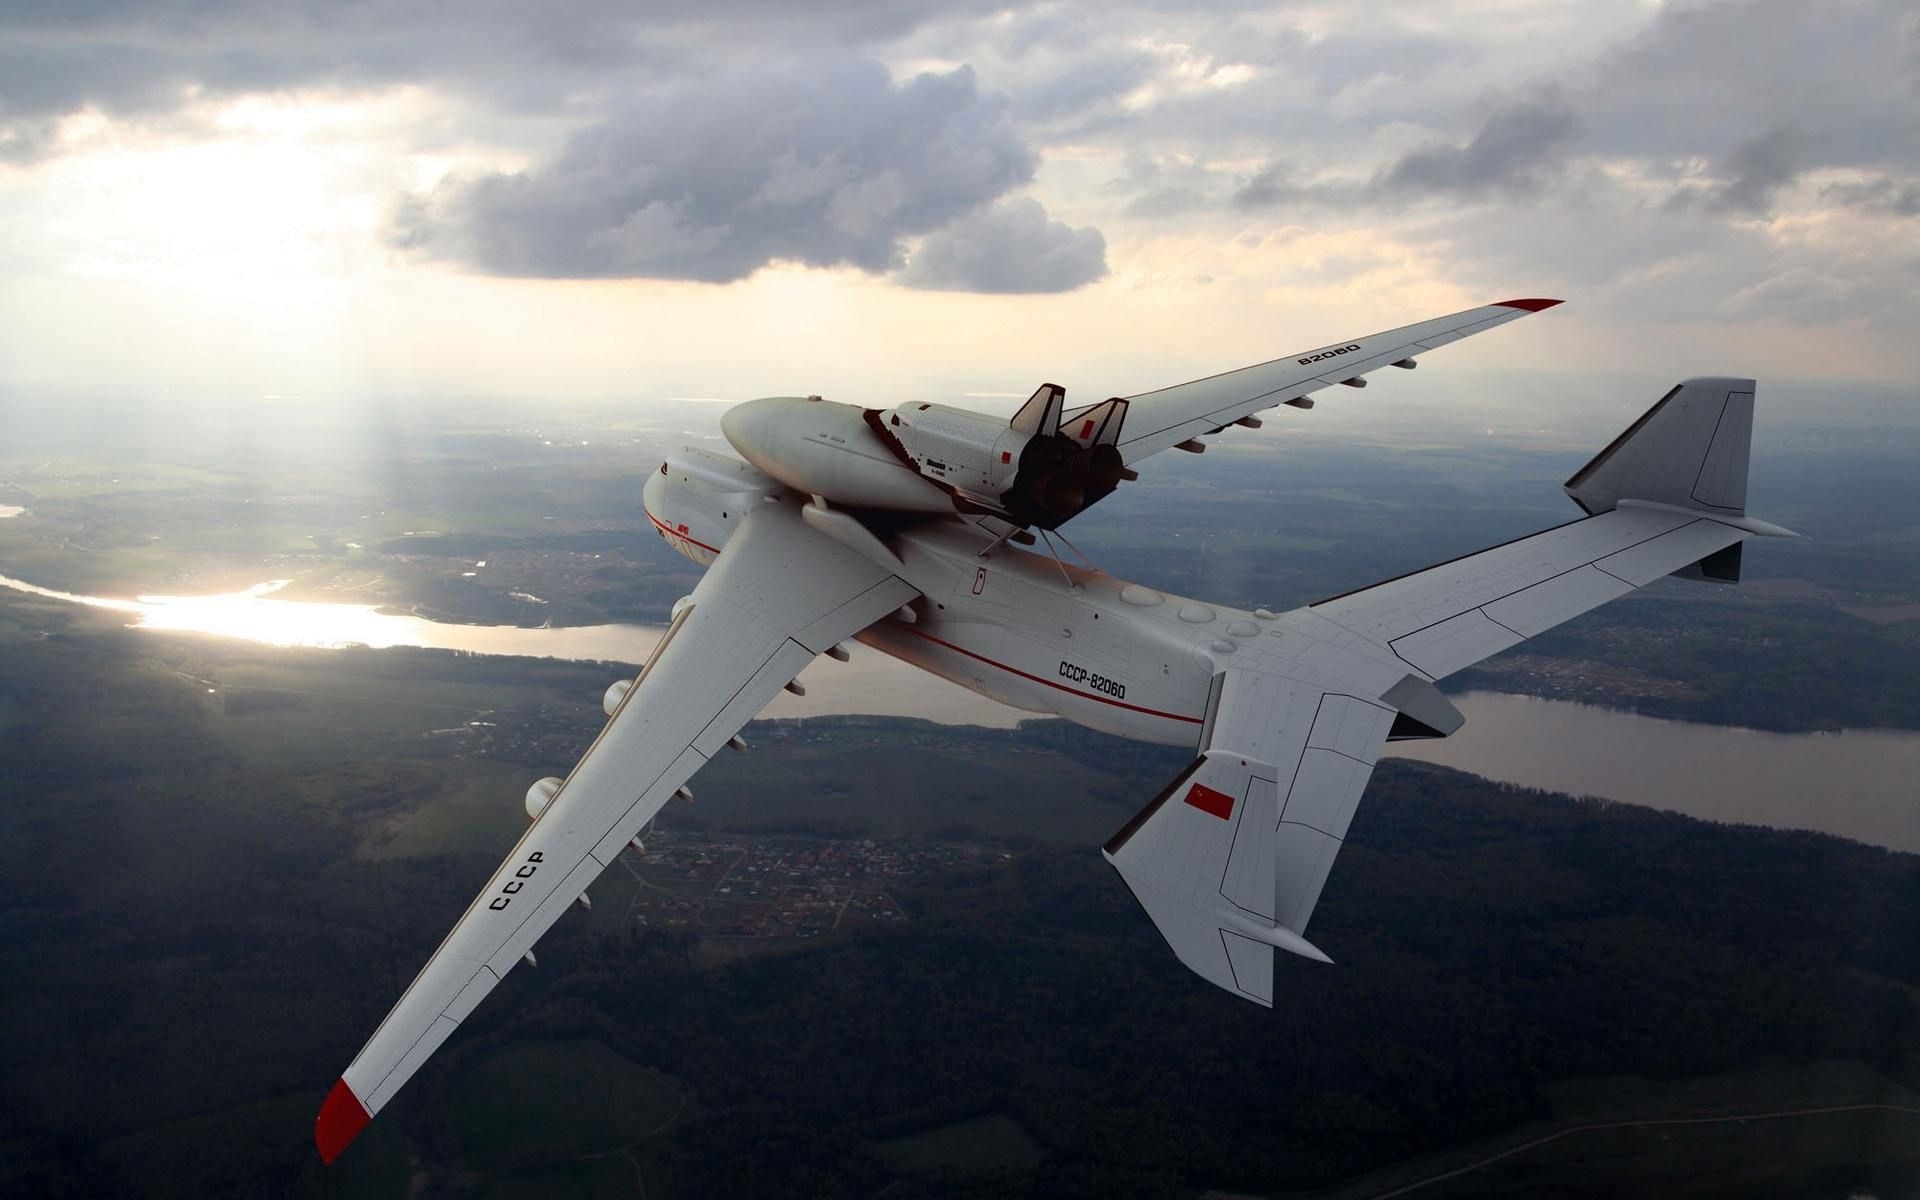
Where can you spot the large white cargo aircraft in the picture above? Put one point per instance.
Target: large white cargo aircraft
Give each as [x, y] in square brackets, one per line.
[903, 529]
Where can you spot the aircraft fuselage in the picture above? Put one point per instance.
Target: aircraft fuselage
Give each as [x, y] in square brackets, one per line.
[1011, 624]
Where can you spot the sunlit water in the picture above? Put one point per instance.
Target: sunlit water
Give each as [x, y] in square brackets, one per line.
[1859, 784]
[10, 510]
[870, 683]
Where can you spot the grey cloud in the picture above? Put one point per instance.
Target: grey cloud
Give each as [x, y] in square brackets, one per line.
[820, 163]
[1749, 178]
[1272, 185]
[1894, 197]
[1166, 202]
[24, 140]
[1516, 147]
[1156, 189]
[1799, 293]
[1657, 265]
[1843, 72]
[1845, 76]
[1078, 86]
[1012, 246]
[139, 57]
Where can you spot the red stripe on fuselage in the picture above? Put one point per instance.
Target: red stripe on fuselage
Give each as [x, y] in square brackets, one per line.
[683, 537]
[1151, 712]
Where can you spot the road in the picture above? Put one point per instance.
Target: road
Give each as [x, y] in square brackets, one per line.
[1536, 1143]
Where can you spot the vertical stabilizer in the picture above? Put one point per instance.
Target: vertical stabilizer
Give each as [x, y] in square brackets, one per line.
[1040, 415]
[1202, 860]
[1689, 450]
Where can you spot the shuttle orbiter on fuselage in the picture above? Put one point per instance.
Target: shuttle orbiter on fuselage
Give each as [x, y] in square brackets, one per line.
[903, 529]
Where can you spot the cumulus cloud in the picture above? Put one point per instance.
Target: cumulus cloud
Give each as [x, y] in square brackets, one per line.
[1012, 246]
[1633, 162]
[826, 164]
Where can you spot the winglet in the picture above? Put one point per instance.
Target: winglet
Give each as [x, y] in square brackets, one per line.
[1533, 305]
[342, 1118]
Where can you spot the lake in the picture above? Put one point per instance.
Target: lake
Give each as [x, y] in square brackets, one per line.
[1858, 784]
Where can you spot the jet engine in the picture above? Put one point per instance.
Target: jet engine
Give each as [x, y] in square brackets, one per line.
[1043, 467]
[540, 794]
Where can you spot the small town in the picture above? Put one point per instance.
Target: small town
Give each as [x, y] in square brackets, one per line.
[770, 889]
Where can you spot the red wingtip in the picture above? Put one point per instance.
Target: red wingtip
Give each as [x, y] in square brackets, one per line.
[1534, 305]
[342, 1118]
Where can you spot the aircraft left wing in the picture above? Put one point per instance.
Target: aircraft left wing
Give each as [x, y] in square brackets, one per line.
[1158, 420]
[779, 594]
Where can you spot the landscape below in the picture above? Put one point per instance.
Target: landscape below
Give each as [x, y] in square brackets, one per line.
[877, 954]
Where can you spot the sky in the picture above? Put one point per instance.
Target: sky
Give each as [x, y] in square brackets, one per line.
[319, 202]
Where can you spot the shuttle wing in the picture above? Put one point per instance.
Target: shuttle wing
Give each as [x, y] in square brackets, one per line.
[1170, 416]
[779, 594]
[1230, 859]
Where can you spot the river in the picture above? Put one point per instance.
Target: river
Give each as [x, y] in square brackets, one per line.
[1858, 784]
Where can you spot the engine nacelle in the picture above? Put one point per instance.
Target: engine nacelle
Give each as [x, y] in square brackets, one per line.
[615, 694]
[540, 795]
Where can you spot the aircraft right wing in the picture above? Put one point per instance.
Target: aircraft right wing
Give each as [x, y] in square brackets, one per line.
[1668, 496]
[1161, 419]
[780, 593]
[1229, 860]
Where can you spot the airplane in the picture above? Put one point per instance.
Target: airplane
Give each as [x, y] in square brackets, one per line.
[906, 530]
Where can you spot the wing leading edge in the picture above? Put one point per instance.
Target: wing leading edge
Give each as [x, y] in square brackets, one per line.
[1167, 417]
[780, 594]
[1230, 859]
